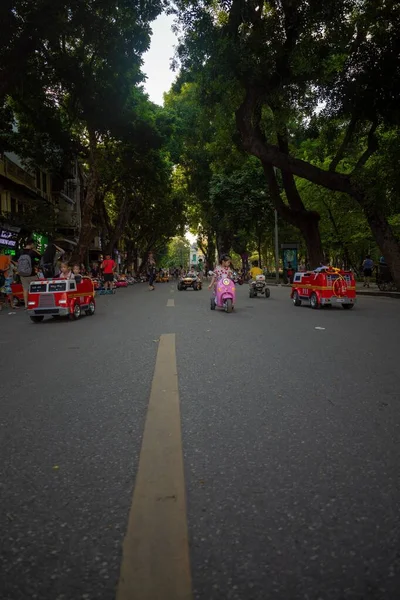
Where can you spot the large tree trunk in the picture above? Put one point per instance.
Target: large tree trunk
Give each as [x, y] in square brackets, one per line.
[224, 242]
[208, 251]
[385, 239]
[123, 217]
[86, 233]
[307, 221]
[345, 251]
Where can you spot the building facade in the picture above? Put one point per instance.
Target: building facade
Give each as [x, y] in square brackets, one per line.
[33, 201]
[196, 256]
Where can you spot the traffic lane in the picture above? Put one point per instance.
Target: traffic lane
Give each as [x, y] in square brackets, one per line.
[70, 433]
[290, 439]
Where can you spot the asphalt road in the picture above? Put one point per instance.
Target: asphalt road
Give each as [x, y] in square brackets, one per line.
[291, 443]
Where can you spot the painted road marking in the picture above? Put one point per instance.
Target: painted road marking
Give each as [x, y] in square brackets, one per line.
[171, 302]
[155, 562]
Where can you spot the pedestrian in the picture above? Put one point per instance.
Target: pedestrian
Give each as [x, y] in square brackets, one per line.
[108, 266]
[27, 263]
[151, 270]
[367, 266]
[7, 269]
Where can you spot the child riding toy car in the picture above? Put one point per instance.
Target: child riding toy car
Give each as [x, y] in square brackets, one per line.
[61, 298]
[191, 280]
[225, 295]
[258, 286]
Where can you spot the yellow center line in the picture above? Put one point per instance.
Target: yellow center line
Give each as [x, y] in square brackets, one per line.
[155, 562]
[171, 302]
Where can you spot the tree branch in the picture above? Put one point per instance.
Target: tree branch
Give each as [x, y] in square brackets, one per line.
[343, 146]
[254, 143]
[372, 147]
[292, 193]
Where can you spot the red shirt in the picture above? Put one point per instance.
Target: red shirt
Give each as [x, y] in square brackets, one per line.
[108, 266]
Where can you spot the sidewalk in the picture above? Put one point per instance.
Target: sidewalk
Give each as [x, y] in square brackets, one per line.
[374, 291]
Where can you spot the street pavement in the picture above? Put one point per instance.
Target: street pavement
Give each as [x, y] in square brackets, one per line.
[290, 421]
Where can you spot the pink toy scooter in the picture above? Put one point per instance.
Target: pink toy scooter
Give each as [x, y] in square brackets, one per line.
[225, 294]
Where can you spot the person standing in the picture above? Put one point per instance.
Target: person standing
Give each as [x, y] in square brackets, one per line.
[27, 262]
[108, 266]
[7, 267]
[151, 271]
[367, 266]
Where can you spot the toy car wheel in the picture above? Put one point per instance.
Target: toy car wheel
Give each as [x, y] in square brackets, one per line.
[314, 301]
[37, 319]
[195, 287]
[296, 299]
[76, 313]
[251, 293]
[229, 306]
[91, 309]
[179, 287]
[267, 292]
[212, 303]
[347, 306]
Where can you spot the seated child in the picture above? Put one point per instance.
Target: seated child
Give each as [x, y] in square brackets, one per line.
[65, 271]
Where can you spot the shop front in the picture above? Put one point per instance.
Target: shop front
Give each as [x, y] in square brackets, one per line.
[9, 240]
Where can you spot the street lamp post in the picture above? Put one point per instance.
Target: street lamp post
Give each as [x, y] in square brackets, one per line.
[276, 248]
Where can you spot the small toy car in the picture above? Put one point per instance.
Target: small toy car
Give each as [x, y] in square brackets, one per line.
[225, 295]
[191, 280]
[258, 287]
[326, 286]
[61, 298]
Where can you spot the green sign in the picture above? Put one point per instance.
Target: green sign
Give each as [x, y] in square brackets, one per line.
[9, 252]
[41, 242]
[290, 258]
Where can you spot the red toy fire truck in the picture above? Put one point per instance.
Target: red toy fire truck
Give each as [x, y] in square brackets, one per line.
[61, 298]
[326, 286]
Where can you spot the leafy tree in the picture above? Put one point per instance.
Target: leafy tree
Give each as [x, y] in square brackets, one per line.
[70, 70]
[177, 253]
[275, 64]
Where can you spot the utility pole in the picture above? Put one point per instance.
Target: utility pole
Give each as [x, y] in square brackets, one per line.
[276, 248]
[276, 237]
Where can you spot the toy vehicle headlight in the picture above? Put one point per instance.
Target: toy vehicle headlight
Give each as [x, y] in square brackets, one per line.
[226, 282]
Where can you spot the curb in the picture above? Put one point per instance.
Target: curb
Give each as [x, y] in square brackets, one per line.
[378, 293]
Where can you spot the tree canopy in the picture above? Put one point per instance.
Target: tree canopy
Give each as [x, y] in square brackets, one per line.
[289, 105]
[295, 70]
